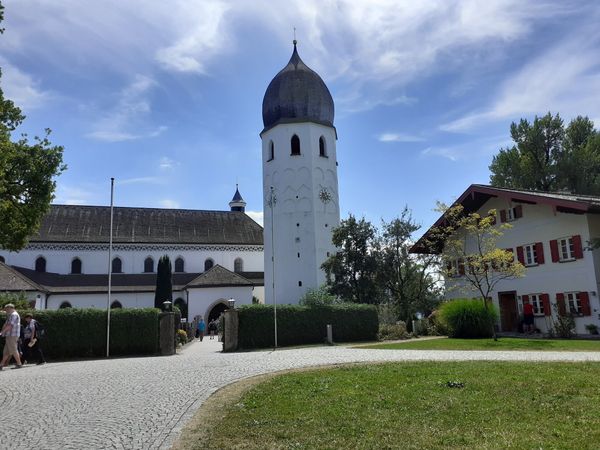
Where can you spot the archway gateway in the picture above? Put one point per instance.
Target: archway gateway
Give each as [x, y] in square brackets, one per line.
[216, 311]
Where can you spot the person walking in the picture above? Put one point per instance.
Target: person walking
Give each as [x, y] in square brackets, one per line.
[11, 330]
[528, 319]
[212, 327]
[31, 340]
[201, 329]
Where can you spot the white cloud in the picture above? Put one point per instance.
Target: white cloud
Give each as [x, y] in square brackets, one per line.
[141, 180]
[167, 163]
[559, 80]
[399, 137]
[467, 150]
[132, 107]
[257, 216]
[69, 195]
[21, 87]
[168, 203]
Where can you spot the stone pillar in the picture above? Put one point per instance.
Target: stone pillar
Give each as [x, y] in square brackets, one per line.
[166, 330]
[230, 332]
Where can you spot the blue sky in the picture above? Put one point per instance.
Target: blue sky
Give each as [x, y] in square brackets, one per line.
[166, 96]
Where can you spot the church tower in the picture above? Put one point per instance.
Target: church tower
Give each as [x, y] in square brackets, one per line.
[300, 186]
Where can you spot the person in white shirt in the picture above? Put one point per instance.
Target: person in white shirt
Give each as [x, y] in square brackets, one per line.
[11, 330]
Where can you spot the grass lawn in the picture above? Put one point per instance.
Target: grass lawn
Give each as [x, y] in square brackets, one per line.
[410, 405]
[490, 344]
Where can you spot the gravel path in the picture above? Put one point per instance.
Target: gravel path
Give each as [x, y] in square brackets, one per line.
[143, 403]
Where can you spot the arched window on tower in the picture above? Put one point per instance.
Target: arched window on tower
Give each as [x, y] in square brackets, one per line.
[40, 264]
[208, 264]
[295, 145]
[179, 264]
[117, 265]
[64, 305]
[271, 151]
[322, 147]
[238, 265]
[148, 264]
[76, 265]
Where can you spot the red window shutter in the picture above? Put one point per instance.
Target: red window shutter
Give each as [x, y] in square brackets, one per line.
[560, 300]
[546, 302]
[554, 250]
[577, 248]
[539, 251]
[502, 215]
[520, 255]
[584, 298]
[518, 211]
[461, 267]
[525, 299]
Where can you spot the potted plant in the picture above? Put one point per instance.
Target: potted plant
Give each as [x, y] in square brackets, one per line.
[592, 328]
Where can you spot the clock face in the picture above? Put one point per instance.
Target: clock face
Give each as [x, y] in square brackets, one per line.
[325, 195]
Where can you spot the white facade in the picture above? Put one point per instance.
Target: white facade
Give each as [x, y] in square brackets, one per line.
[306, 208]
[541, 224]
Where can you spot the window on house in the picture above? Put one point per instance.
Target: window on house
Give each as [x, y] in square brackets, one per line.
[271, 151]
[295, 145]
[64, 305]
[179, 265]
[40, 264]
[566, 249]
[322, 148]
[148, 264]
[537, 303]
[510, 214]
[573, 303]
[455, 268]
[238, 265]
[530, 254]
[76, 266]
[117, 265]
[116, 305]
[208, 264]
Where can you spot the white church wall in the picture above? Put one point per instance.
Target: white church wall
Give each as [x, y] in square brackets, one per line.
[58, 260]
[127, 300]
[306, 208]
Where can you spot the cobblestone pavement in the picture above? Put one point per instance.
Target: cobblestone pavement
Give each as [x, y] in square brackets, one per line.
[143, 403]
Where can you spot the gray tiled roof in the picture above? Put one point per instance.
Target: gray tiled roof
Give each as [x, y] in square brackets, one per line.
[591, 199]
[91, 224]
[219, 276]
[13, 280]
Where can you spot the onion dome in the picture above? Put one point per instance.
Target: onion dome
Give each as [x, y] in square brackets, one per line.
[297, 94]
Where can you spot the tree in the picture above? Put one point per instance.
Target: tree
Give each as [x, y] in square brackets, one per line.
[471, 252]
[549, 157]
[27, 172]
[318, 297]
[164, 282]
[408, 279]
[351, 272]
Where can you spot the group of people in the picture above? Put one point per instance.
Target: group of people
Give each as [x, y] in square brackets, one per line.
[21, 342]
[201, 328]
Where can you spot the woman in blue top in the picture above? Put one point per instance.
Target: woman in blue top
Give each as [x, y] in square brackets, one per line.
[201, 329]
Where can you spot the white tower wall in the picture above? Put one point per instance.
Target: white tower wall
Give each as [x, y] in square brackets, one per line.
[305, 211]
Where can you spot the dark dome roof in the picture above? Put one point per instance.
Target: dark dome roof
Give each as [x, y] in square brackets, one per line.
[297, 93]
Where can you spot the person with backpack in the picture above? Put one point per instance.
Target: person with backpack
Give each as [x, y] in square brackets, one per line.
[31, 340]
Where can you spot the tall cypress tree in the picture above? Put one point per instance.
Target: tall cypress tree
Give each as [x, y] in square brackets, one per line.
[164, 282]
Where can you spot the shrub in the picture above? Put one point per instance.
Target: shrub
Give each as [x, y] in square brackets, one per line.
[182, 337]
[435, 326]
[394, 331]
[318, 297]
[305, 325]
[387, 313]
[468, 318]
[592, 328]
[564, 326]
[73, 333]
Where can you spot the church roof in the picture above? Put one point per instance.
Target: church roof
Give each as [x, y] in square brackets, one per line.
[297, 94]
[91, 224]
[23, 279]
[219, 276]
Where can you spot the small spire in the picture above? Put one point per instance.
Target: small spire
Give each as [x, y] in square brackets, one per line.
[295, 41]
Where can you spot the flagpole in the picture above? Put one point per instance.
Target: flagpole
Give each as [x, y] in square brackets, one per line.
[110, 240]
[272, 204]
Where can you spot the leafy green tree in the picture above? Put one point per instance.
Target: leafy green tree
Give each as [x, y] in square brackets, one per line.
[352, 272]
[549, 157]
[408, 279]
[18, 299]
[27, 172]
[164, 282]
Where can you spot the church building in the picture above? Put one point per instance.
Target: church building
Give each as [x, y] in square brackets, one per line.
[215, 256]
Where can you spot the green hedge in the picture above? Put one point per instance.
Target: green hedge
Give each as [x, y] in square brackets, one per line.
[298, 325]
[74, 333]
[465, 318]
